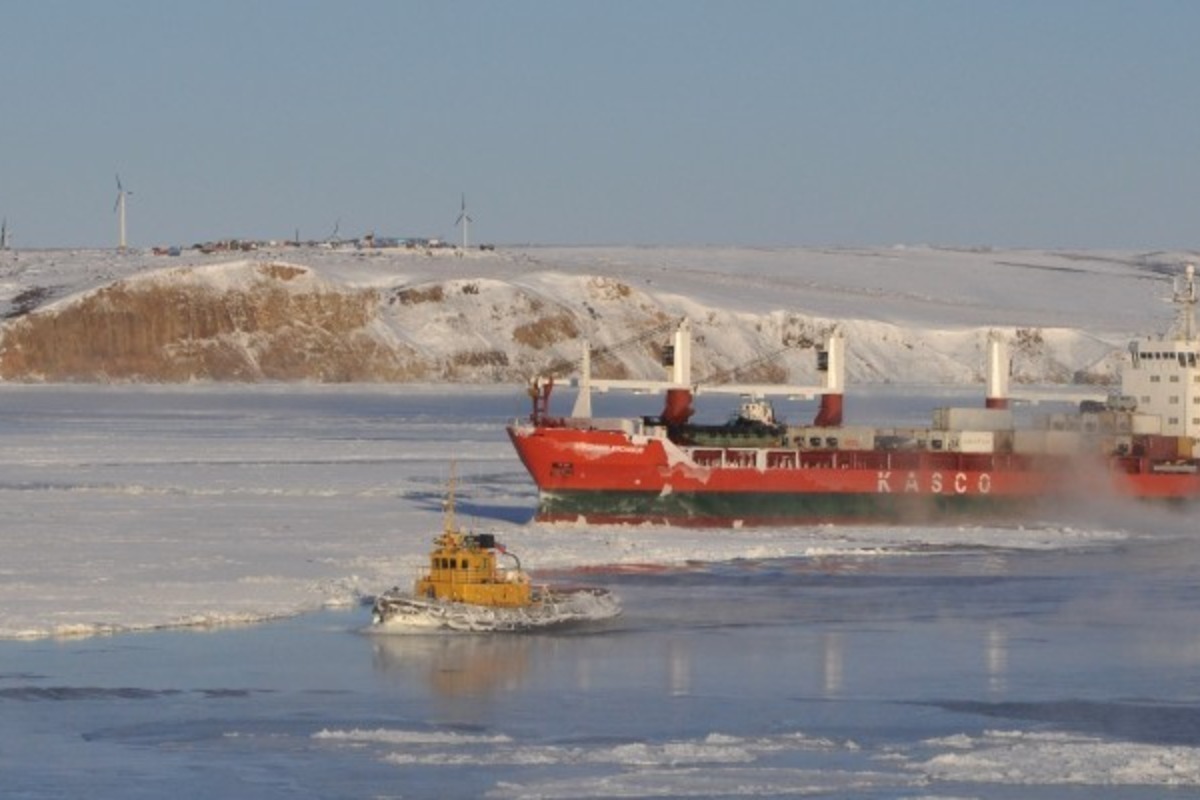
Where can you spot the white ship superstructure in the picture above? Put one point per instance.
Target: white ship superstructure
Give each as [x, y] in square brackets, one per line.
[1161, 375]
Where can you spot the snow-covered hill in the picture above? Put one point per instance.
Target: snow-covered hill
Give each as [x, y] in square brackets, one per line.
[910, 314]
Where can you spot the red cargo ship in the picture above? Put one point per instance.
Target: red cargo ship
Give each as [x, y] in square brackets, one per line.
[969, 464]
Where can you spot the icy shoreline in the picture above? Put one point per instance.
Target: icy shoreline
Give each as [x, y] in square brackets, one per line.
[143, 508]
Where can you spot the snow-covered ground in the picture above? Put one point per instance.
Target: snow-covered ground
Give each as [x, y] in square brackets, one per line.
[910, 313]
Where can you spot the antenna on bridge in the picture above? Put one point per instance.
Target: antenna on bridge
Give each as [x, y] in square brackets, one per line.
[1185, 298]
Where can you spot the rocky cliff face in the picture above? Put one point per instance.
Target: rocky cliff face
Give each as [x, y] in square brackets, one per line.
[272, 322]
[250, 321]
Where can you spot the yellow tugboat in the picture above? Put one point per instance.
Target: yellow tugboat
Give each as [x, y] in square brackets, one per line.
[465, 588]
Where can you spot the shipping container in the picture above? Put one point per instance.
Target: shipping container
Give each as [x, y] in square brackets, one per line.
[845, 438]
[1063, 443]
[1146, 424]
[976, 442]
[973, 419]
[857, 438]
[1029, 441]
[1156, 447]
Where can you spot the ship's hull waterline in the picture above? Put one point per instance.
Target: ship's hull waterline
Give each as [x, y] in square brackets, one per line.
[605, 477]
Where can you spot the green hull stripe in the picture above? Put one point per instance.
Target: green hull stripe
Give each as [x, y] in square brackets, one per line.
[768, 506]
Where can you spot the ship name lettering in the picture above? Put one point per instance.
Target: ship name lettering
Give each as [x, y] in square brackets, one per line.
[962, 483]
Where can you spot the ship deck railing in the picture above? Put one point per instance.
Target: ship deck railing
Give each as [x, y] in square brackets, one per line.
[784, 459]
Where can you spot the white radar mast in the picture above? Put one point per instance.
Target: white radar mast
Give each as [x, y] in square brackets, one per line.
[1185, 299]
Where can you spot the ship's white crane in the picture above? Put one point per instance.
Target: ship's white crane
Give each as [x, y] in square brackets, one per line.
[999, 369]
[678, 360]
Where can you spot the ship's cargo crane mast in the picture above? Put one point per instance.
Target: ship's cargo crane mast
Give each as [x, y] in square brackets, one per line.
[541, 385]
[680, 388]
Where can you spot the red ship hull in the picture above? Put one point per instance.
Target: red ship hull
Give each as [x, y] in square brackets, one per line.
[608, 476]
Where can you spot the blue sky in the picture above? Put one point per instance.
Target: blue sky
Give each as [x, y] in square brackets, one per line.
[1029, 124]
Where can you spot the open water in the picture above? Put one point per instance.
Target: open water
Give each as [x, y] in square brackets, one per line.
[923, 672]
[943, 674]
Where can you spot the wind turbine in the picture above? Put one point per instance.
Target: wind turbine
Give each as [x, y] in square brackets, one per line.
[464, 219]
[119, 208]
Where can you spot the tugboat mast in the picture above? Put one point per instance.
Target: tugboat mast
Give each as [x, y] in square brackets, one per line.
[448, 521]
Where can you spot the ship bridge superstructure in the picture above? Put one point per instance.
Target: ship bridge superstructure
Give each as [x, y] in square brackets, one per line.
[1162, 374]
